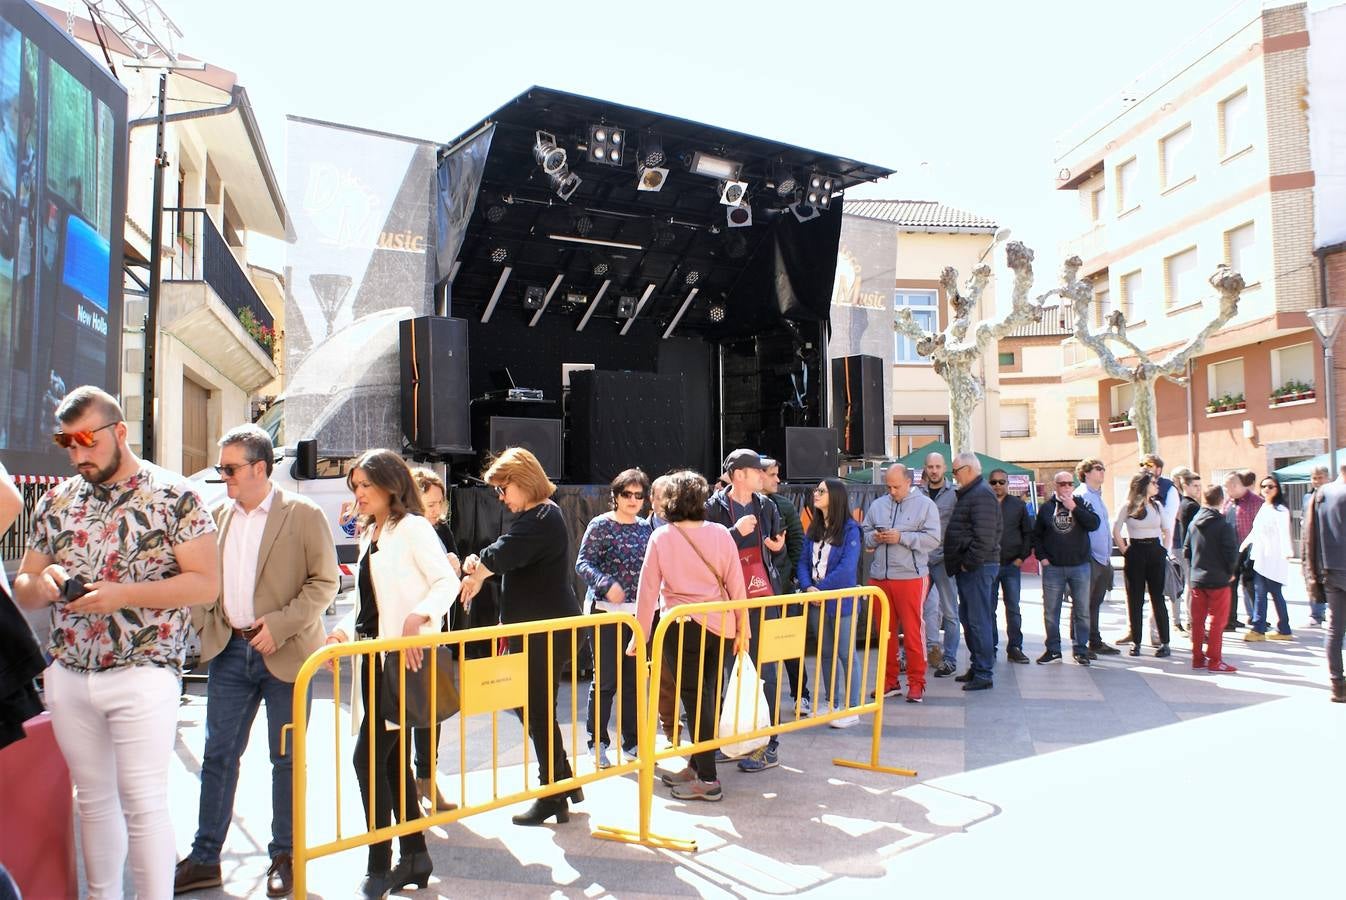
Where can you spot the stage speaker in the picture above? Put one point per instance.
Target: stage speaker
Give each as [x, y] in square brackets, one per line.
[623, 419]
[857, 405]
[541, 437]
[433, 359]
[811, 453]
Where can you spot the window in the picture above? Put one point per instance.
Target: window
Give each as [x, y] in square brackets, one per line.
[1240, 251]
[1014, 420]
[1292, 368]
[1006, 358]
[1236, 130]
[1123, 398]
[925, 310]
[1176, 158]
[1132, 306]
[1126, 186]
[1182, 280]
[1102, 305]
[1096, 203]
[1086, 417]
[1225, 380]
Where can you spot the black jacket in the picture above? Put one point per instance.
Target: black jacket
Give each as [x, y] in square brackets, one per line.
[1212, 549]
[787, 561]
[973, 536]
[1187, 510]
[1061, 536]
[1016, 530]
[533, 560]
[769, 524]
[21, 661]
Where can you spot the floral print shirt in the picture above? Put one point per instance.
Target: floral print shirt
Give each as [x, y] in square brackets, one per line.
[122, 532]
[612, 552]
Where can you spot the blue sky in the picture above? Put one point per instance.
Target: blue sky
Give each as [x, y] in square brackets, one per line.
[964, 98]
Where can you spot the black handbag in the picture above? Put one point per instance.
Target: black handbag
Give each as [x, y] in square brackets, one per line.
[419, 713]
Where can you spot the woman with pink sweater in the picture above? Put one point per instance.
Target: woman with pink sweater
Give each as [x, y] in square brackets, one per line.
[693, 561]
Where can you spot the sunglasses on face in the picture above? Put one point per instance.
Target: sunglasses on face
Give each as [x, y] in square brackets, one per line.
[997, 481]
[1065, 484]
[67, 439]
[957, 469]
[1268, 487]
[499, 489]
[228, 471]
[631, 495]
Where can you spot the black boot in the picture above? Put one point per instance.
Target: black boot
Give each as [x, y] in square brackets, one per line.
[1162, 651]
[542, 810]
[576, 796]
[1134, 651]
[412, 868]
[374, 886]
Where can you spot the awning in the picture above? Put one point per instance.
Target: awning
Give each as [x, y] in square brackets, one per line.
[1303, 470]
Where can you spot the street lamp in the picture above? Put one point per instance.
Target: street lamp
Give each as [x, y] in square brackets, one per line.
[1327, 322]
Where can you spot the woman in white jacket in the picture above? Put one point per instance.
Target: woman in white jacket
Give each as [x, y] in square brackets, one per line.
[1270, 550]
[405, 586]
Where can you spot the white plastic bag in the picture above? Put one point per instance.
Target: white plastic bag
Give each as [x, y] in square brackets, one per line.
[751, 698]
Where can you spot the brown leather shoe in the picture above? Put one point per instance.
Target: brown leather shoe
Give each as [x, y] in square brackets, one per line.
[434, 802]
[190, 876]
[280, 877]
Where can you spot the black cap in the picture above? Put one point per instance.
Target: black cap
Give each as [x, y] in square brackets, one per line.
[743, 459]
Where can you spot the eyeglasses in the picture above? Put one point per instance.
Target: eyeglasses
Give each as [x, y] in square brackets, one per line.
[500, 489]
[1099, 469]
[632, 495]
[823, 490]
[997, 481]
[1065, 484]
[957, 468]
[1147, 465]
[228, 471]
[67, 439]
[1268, 487]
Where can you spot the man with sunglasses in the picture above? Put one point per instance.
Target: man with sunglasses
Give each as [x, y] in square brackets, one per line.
[1061, 540]
[1016, 542]
[118, 555]
[279, 574]
[1091, 472]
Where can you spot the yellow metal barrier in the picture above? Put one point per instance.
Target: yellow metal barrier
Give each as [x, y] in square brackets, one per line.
[781, 639]
[486, 686]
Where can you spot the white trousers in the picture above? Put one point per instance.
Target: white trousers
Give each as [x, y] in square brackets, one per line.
[116, 730]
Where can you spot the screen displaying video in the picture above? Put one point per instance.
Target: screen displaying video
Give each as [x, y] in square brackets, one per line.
[62, 204]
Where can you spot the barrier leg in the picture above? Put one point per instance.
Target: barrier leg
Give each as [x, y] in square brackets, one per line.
[877, 703]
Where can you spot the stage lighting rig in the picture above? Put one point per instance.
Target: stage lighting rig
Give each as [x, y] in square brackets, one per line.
[818, 190]
[739, 216]
[651, 172]
[626, 307]
[565, 185]
[533, 297]
[549, 155]
[714, 167]
[716, 312]
[732, 193]
[607, 145]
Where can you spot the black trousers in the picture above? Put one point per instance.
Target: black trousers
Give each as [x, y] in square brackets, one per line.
[1100, 584]
[610, 658]
[392, 777]
[1244, 581]
[1145, 566]
[700, 685]
[543, 729]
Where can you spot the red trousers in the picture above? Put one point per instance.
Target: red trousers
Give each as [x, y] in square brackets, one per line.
[905, 598]
[1212, 602]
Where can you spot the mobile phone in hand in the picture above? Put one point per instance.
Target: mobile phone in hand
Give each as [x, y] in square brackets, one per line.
[73, 589]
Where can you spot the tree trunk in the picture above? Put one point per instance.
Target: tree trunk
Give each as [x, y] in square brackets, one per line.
[1144, 416]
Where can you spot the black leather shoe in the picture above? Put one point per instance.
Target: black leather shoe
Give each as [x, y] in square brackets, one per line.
[191, 875]
[412, 868]
[542, 810]
[1134, 651]
[1016, 655]
[576, 796]
[978, 685]
[1082, 659]
[1103, 649]
[280, 877]
[1163, 651]
[374, 886]
[965, 677]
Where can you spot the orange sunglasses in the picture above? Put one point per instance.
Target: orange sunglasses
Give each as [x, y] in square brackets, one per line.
[67, 439]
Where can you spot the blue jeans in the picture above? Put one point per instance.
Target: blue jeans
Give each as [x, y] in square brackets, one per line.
[977, 612]
[836, 655]
[1056, 580]
[239, 682]
[941, 610]
[1008, 578]
[1262, 588]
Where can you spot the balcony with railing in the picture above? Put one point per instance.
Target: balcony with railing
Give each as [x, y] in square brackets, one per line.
[210, 304]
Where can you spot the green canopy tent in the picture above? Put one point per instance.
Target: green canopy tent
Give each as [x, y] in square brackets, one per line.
[1303, 470]
[916, 460]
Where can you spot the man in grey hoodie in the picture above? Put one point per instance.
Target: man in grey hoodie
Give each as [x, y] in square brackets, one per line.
[902, 528]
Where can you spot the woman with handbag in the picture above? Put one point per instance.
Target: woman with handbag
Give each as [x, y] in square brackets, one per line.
[405, 585]
[609, 561]
[693, 561]
[830, 561]
[533, 559]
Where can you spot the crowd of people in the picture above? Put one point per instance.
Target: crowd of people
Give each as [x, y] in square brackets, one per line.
[129, 562]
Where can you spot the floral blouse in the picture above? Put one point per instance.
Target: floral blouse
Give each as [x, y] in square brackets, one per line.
[121, 532]
[612, 552]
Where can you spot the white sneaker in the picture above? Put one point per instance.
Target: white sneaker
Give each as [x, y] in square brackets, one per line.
[844, 722]
[805, 708]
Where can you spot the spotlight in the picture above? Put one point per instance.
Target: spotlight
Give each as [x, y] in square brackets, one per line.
[716, 312]
[651, 152]
[739, 216]
[548, 154]
[664, 237]
[494, 213]
[818, 191]
[802, 209]
[565, 184]
[601, 269]
[583, 225]
[533, 297]
[626, 307]
[499, 255]
[607, 145]
[714, 166]
[692, 277]
[733, 192]
[785, 183]
[651, 178]
[574, 298]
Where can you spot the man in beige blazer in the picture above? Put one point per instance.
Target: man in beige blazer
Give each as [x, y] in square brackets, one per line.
[278, 575]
